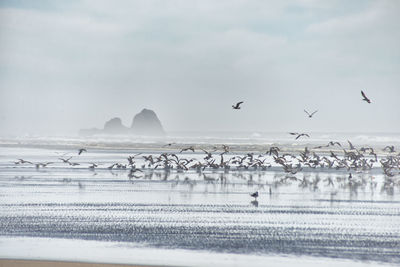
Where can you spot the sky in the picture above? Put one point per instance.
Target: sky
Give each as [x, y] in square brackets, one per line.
[67, 65]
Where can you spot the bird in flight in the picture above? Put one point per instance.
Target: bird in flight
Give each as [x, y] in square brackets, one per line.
[187, 148]
[298, 135]
[365, 98]
[169, 144]
[351, 145]
[310, 115]
[389, 148]
[237, 106]
[81, 150]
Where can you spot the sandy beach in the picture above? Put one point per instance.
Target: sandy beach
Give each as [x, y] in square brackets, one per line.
[42, 263]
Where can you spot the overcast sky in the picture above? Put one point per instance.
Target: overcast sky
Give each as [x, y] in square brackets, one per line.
[66, 65]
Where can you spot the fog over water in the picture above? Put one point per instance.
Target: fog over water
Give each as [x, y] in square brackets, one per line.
[67, 65]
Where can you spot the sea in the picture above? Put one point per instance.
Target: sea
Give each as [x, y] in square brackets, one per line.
[179, 217]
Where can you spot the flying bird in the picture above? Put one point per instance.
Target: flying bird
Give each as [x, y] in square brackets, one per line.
[237, 106]
[389, 148]
[298, 135]
[169, 144]
[310, 115]
[187, 148]
[22, 161]
[81, 150]
[351, 145]
[365, 98]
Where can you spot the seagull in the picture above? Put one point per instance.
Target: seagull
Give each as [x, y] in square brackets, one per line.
[187, 148]
[389, 148]
[237, 106]
[169, 144]
[93, 165]
[22, 161]
[310, 115]
[351, 145]
[255, 195]
[225, 148]
[365, 98]
[299, 135]
[42, 164]
[81, 150]
[65, 160]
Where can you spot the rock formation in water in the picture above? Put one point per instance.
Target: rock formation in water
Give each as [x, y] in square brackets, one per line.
[114, 126]
[147, 123]
[144, 123]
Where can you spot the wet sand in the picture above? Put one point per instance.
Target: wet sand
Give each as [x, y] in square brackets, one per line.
[41, 263]
[192, 219]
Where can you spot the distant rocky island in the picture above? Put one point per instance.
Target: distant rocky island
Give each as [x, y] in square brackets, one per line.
[145, 122]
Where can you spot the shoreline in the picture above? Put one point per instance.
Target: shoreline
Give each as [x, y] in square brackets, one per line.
[54, 263]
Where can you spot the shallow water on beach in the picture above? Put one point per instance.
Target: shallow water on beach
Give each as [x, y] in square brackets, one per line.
[209, 213]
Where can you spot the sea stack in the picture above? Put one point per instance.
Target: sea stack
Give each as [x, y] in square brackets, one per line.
[147, 123]
[114, 126]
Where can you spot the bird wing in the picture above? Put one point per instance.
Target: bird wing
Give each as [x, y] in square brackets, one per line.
[363, 94]
[307, 112]
[350, 144]
[314, 112]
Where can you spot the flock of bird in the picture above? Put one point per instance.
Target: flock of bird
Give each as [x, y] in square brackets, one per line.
[332, 156]
[350, 159]
[221, 158]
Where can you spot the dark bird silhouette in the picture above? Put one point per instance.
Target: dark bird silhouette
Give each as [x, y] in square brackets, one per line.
[331, 143]
[65, 160]
[365, 98]
[93, 165]
[225, 148]
[298, 135]
[81, 150]
[351, 145]
[389, 148]
[187, 148]
[255, 195]
[22, 161]
[42, 164]
[237, 106]
[310, 115]
[169, 144]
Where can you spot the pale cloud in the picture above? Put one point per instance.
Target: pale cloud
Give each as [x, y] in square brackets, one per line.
[86, 61]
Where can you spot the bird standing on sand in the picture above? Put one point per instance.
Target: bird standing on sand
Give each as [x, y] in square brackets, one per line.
[365, 98]
[310, 115]
[255, 195]
[237, 106]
